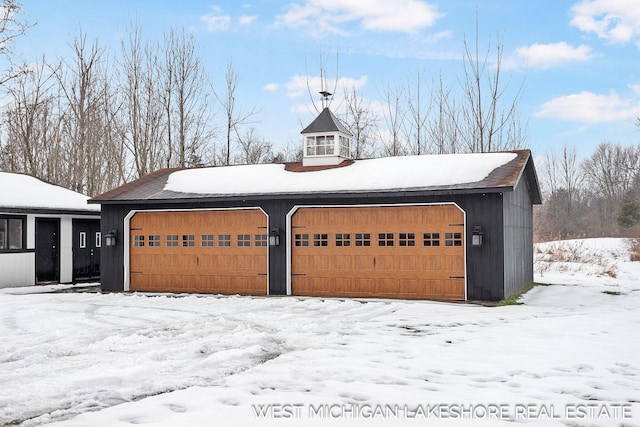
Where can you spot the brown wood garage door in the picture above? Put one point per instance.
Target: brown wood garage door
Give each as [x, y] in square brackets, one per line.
[199, 251]
[391, 252]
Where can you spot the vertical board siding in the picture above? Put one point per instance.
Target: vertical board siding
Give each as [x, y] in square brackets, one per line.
[518, 239]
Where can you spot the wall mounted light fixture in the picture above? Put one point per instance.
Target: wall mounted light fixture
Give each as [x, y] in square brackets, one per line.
[111, 238]
[477, 236]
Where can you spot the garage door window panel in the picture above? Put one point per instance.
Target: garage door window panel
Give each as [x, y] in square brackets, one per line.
[244, 240]
[407, 239]
[261, 240]
[385, 239]
[343, 239]
[207, 240]
[302, 240]
[224, 240]
[172, 240]
[188, 240]
[321, 239]
[363, 239]
[431, 239]
[138, 240]
[154, 240]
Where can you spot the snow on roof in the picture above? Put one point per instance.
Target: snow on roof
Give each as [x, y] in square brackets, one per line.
[24, 191]
[391, 173]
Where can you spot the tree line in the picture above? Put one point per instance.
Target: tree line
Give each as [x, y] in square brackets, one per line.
[597, 196]
[100, 117]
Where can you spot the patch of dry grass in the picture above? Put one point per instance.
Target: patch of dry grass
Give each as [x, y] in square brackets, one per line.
[568, 257]
[634, 250]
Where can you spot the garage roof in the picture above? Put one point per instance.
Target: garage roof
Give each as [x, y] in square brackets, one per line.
[22, 192]
[460, 173]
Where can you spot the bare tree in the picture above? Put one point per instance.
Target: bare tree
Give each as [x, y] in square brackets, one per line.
[419, 107]
[88, 117]
[253, 149]
[487, 117]
[234, 117]
[393, 144]
[362, 122]
[442, 128]
[142, 113]
[186, 101]
[612, 170]
[11, 28]
[32, 143]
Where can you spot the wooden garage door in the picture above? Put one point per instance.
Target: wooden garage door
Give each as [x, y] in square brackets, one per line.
[392, 252]
[199, 251]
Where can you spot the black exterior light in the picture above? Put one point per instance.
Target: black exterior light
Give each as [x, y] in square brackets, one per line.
[111, 238]
[274, 237]
[476, 237]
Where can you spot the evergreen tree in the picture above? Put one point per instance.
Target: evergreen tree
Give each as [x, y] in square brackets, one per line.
[629, 213]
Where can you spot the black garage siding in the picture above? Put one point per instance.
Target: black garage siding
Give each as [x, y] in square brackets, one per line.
[518, 239]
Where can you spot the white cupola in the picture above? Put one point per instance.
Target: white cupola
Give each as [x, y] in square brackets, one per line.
[326, 141]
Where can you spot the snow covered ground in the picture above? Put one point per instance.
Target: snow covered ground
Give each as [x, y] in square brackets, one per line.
[570, 355]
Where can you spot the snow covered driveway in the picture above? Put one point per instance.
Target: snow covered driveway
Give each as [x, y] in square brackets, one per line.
[81, 359]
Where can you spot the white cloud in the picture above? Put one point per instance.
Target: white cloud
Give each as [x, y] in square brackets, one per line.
[299, 85]
[617, 21]
[589, 107]
[327, 16]
[549, 55]
[247, 19]
[271, 87]
[215, 21]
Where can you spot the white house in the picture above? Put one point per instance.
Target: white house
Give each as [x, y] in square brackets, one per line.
[48, 234]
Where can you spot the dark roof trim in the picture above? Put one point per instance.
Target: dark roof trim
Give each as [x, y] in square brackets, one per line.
[45, 211]
[195, 198]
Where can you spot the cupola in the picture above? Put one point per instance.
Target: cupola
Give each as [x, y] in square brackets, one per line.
[326, 141]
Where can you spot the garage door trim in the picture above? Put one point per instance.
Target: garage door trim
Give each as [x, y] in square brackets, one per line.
[127, 231]
[289, 238]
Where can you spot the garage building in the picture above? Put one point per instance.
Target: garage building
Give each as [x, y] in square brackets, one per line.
[453, 227]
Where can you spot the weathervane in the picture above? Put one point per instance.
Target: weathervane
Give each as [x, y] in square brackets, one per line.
[325, 97]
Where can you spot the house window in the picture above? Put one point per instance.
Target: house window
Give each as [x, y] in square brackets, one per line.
[98, 239]
[385, 239]
[343, 239]
[363, 239]
[302, 240]
[320, 240]
[188, 240]
[244, 239]
[320, 145]
[138, 240]
[431, 239]
[172, 240]
[11, 233]
[261, 240]
[83, 240]
[224, 239]
[407, 239]
[206, 240]
[453, 239]
[154, 240]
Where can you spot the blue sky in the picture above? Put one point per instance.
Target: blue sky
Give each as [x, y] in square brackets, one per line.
[577, 61]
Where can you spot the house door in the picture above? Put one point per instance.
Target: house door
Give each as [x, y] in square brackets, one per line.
[47, 250]
[87, 241]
